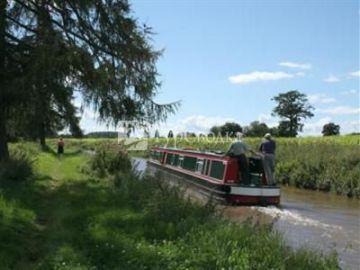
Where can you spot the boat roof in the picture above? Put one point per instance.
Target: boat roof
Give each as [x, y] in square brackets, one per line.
[206, 152]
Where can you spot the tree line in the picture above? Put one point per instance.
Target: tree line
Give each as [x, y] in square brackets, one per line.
[292, 108]
[51, 50]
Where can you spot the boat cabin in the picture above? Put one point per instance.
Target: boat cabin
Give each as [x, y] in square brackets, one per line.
[210, 165]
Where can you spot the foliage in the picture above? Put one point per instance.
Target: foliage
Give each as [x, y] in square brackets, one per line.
[256, 129]
[292, 107]
[186, 134]
[51, 48]
[170, 134]
[228, 129]
[330, 129]
[110, 158]
[285, 129]
[102, 134]
[20, 166]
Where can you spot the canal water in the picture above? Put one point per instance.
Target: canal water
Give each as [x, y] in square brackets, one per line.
[324, 222]
[321, 221]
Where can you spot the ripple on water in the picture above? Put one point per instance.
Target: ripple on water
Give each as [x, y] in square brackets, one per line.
[295, 218]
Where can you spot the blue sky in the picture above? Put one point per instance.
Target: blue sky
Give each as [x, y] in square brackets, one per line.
[225, 60]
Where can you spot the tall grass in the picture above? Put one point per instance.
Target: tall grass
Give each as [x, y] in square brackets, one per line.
[110, 158]
[19, 167]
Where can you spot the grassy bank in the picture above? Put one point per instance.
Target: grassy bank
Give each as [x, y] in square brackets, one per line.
[71, 216]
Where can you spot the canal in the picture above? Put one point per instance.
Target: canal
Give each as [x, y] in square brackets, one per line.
[321, 221]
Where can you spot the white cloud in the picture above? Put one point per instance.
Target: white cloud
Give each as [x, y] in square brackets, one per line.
[355, 73]
[194, 123]
[200, 123]
[89, 122]
[320, 98]
[89, 118]
[350, 92]
[259, 76]
[349, 127]
[90, 114]
[327, 100]
[340, 110]
[295, 65]
[315, 128]
[331, 79]
[268, 119]
[301, 74]
[77, 103]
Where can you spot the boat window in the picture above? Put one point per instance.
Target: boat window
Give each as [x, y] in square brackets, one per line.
[156, 155]
[190, 163]
[172, 159]
[169, 158]
[217, 169]
[176, 160]
[199, 166]
[180, 161]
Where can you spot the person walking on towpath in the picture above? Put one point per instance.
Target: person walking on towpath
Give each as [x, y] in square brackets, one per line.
[238, 149]
[268, 147]
[60, 147]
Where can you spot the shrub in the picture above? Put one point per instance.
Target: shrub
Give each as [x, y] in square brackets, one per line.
[19, 167]
[109, 159]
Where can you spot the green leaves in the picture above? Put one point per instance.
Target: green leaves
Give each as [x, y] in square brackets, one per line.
[292, 107]
[52, 48]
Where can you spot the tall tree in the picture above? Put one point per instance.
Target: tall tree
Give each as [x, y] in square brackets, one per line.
[292, 107]
[215, 131]
[331, 129]
[228, 129]
[93, 47]
[4, 151]
[12, 53]
[256, 129]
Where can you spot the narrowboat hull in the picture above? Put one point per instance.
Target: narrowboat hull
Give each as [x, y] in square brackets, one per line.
[234, 194]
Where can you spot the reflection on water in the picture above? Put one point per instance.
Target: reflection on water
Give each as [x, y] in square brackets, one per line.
[139, 165]
[313, 219]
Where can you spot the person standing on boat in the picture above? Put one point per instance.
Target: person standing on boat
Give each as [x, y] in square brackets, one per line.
[267, 148]
[238, 149]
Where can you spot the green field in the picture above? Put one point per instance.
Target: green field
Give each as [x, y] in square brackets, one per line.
[83, 212]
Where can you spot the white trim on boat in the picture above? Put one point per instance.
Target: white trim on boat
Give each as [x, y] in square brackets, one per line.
[253, 191]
